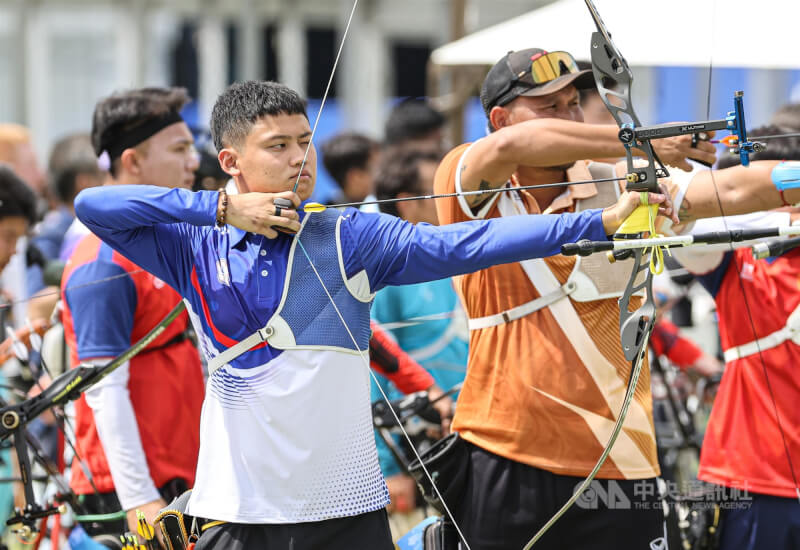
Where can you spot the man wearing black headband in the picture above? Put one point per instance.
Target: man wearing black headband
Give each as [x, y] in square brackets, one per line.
[138, 429]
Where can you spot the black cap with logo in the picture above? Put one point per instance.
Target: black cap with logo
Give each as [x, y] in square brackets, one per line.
[531, 72]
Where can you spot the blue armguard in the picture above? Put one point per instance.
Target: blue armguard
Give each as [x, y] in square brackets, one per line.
[786, 175]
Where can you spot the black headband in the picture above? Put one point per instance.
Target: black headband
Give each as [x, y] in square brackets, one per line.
[125, 140]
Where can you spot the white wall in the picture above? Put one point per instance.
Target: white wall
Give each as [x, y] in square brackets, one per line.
[66, 54]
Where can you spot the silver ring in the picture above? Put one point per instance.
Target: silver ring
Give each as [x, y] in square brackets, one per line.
[278, 210]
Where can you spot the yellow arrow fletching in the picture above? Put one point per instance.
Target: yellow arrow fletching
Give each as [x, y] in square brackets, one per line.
[314, 207]
[145, 529]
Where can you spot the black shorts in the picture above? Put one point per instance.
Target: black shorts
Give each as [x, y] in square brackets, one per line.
[367, 531]
[506, 502]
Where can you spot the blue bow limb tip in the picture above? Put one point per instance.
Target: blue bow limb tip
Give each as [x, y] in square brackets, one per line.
[786, 175]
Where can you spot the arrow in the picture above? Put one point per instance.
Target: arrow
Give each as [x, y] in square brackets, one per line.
[317, 207]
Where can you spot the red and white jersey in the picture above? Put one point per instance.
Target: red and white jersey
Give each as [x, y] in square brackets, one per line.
[744, 445]
[166, 384]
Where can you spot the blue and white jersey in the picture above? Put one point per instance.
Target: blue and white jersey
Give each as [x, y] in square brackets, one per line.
[286, 434]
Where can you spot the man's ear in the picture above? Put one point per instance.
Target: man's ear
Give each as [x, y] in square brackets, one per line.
[129, 161]
[229, 161]
[499, 117]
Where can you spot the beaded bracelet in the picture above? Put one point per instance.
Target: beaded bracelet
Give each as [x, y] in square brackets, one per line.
[222, 207]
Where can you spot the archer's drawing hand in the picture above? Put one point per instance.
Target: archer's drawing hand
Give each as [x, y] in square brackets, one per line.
[256, 213]
[674, 151]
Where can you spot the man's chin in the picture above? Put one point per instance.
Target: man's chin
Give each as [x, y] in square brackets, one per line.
[305, 190]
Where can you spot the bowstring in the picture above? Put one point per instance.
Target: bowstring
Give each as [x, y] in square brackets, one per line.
[738, 267]
[344, 323]
[325, 95]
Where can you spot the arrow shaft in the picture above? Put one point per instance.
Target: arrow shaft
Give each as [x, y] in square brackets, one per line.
[590, 247]
[764, 138]
[470, 193]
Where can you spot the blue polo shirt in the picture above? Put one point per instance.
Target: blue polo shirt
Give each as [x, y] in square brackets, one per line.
[286, 436]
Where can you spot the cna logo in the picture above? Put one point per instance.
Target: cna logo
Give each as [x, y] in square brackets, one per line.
[747, 272]
[610, 496]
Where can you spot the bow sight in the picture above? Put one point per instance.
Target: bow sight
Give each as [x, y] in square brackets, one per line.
[609, 66]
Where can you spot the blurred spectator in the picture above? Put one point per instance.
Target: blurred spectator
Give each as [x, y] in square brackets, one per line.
[439, 344]
[72, 168]
[17, 215]
[351, 159]
[415, 123]
[787, 118]
[409, 173]
[17, 212]
[17, 150]
[209, 176]
[594, 109]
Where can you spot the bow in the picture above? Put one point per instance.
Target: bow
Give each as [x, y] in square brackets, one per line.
[636, 325]
[608, 64]
[66, 387]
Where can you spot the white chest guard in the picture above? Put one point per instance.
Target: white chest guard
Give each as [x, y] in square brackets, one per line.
[321, 308]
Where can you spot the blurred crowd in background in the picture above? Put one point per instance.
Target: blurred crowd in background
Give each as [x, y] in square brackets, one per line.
[424, 322]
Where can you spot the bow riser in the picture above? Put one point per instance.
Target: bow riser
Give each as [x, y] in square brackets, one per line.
[635, 326]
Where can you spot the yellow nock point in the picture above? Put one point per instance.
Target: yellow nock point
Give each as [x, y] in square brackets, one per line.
[314, 207]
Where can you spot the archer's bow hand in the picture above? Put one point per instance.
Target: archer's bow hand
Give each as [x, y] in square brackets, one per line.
[674, 151]
[613, 216]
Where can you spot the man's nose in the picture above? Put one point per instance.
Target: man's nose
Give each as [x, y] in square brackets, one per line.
[298, 154]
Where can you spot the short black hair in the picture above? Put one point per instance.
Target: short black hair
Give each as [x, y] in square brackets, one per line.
[71, 156]
[412, 118]
[399, 173]
[243, 103]
[123, 111]
[786, 148]
[16, 198]
[346, 151]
